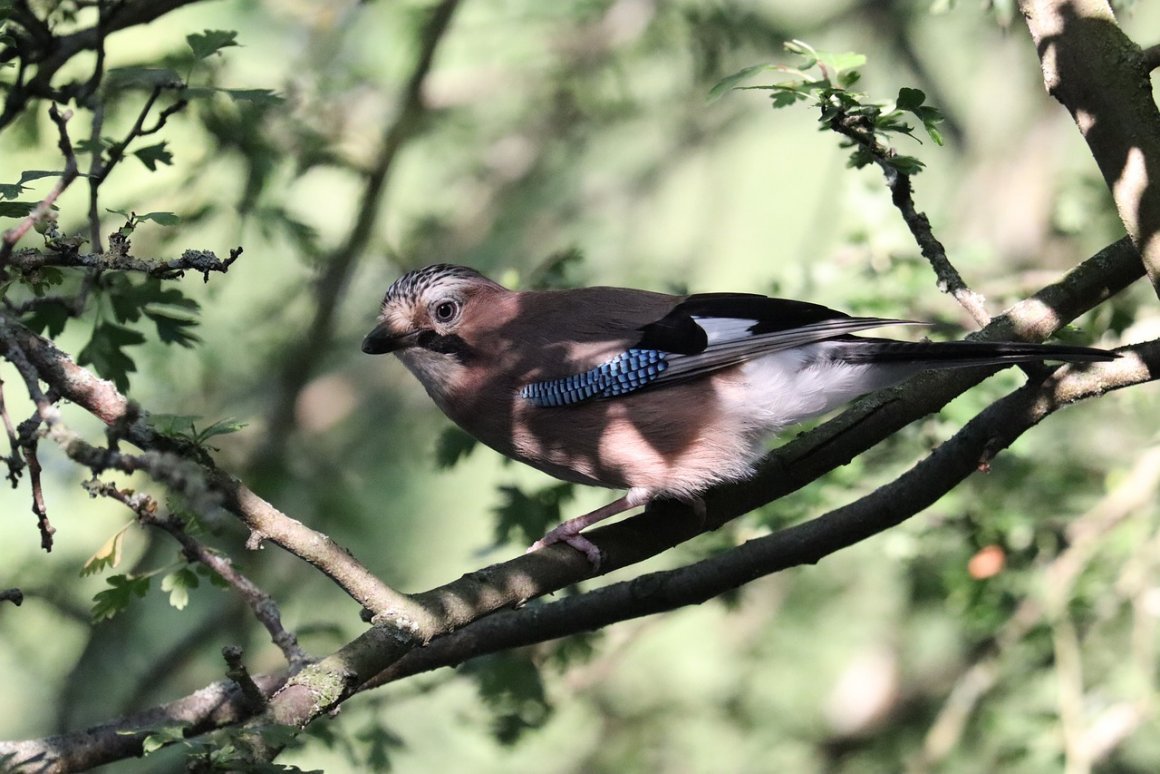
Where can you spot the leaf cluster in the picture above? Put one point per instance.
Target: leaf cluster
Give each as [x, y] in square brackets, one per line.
[824, 79]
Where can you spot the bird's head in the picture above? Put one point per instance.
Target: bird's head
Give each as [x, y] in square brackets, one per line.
[425, 314]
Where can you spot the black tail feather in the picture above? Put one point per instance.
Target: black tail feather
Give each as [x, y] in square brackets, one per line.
[870, 350]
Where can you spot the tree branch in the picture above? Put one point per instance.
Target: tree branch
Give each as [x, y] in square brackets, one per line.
[664, 525]
[948, 465]
[261, 604]
[50, 53]
[1101, 77]
[43, 209]
[902, 195]
[101, 399]
[202, 261]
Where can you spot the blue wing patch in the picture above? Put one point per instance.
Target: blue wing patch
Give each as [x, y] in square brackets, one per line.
[623, 374]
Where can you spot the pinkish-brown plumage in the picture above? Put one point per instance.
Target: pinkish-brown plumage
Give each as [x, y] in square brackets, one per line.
[739, 367]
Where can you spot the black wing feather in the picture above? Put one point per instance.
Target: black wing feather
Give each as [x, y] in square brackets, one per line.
[679, 333]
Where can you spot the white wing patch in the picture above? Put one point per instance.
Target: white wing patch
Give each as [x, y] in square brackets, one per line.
[720, 329]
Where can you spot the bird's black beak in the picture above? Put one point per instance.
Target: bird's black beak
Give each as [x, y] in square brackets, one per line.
[382, 340]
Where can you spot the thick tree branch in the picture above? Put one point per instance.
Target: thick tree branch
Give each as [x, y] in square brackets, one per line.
[1101, 77]
[947, 466]
[789, 468]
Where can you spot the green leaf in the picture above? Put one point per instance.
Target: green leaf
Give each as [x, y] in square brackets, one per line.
[152, 155]
[730, 82]
[510, 684]
[209, 42]
[185, 426]
[530, 514]
[161, 218]
[379, 743]
[908, 165]
[48, 319]
[162, 737]
[910, 99]
[452, 446]
[784, 96]
[255, 96]
[105, 353]
[141, 78]
[841, 62]
[173, 330]
[12, 190]
[221, 427]
[176, 425]
[111, 601]
[17, 209]
[86, 145]
[178, 584]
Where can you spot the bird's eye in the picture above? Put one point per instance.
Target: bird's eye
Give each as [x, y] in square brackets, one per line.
[445, 311]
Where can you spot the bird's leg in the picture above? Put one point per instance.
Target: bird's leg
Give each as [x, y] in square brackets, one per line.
[569, 531]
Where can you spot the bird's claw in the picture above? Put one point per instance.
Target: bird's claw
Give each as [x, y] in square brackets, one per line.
[573, 539]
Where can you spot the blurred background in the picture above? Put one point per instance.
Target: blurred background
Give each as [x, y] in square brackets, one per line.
[1006, 628]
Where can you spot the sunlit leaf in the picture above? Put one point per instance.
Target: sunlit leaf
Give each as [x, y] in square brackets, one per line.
[178, 585]
[108, 556]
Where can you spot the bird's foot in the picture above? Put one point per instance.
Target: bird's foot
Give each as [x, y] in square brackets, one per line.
[569, 531]
[572, 538]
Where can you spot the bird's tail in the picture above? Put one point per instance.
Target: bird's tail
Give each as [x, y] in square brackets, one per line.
[952, 354]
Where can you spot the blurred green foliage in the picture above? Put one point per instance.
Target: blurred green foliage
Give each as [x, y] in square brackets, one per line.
[569, 144]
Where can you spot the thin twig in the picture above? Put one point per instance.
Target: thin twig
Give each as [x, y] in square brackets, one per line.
[255, 700]
[201, 261]
[902, 195]
[48, 413]
[263, 606]
[38, 507]
[95, 165]
[43, 209]
[54, 52]
[14, 461]
[169, 462]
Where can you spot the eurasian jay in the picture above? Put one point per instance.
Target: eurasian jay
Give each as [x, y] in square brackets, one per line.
[662, 395]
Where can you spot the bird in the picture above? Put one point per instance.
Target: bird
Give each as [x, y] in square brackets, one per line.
[663, 396]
